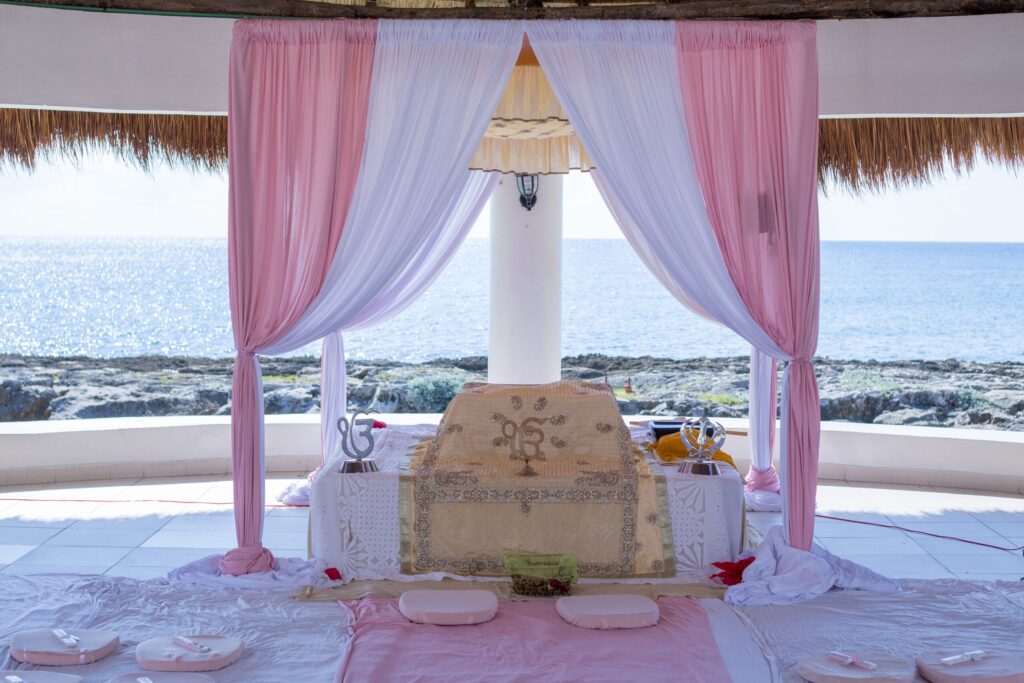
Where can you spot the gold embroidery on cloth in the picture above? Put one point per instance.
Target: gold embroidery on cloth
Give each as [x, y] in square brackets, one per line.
[534, 469]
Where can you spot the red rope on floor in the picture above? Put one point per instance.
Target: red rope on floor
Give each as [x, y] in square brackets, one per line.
[923, 533]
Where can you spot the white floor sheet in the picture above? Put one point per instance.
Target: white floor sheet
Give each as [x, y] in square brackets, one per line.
[304, 641]
[926, 615]
[284, 640]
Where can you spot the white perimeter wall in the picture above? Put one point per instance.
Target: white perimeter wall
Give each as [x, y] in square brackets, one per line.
[116, 448]
[96, 60]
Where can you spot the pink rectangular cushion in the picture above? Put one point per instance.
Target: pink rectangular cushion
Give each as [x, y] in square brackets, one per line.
[163, 654]
[994, 667]
[41, 677]
[40, 646]
[448, 607]
[608, 611]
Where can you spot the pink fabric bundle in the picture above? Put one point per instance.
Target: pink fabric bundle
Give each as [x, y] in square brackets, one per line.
[763, 480]
[41, 646]
[527, 640]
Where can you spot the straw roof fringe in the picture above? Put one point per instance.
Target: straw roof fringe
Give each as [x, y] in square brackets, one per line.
[856, 154]
[190, 141]
[875, 154]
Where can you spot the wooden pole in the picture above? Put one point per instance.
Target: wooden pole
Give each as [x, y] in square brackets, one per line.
[534, 9]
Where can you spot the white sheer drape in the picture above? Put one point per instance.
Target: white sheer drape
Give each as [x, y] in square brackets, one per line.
[435, 85]
[428, 264]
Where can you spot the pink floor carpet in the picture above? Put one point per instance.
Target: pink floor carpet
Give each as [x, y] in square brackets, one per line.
[529, 641]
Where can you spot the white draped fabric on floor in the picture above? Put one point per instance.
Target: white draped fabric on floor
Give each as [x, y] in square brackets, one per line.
[657, 106]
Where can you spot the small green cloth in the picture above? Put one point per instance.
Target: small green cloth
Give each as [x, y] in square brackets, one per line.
[561, 567]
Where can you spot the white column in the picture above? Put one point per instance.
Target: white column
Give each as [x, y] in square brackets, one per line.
[526, 285]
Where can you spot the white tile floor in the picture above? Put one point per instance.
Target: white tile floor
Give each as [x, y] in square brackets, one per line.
[143, 528]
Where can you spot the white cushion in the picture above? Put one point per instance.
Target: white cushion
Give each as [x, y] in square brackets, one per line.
[40, 677]
[41, 646]
[163, 654]
[161, 677]
[994, 667]
[608, 611]
[448, 607]
[822, 669]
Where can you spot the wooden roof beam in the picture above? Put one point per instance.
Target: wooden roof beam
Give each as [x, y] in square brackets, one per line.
[679, 9]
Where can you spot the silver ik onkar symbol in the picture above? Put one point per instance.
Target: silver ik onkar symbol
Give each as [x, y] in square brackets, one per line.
[357, 461]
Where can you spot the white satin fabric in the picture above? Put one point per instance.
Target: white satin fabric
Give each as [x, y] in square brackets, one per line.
[435, 85]
[781, 574]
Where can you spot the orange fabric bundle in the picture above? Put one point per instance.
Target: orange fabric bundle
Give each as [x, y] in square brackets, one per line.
[670, 447]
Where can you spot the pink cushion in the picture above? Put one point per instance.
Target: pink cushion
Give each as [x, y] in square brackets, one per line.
[821, 669]
[40, 677]
[163, 654]
[161, 677]
[41, 646]
[448, 608]
[994, 667]
[608, 611]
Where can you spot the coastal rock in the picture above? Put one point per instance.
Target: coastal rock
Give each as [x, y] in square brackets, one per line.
[291, 400]
[909, 416]
[939, 393]
[25, 402]
[860, 406]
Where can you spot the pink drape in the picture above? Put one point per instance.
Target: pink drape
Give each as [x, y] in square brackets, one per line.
[750, 92]
[298, 94]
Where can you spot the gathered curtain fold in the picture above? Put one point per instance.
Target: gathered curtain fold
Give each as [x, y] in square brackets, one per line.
[750, 93]
[298, 95]
[633, 122]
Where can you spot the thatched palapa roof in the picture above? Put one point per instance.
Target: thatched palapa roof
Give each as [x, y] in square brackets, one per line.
[195, 142]
[859, 154]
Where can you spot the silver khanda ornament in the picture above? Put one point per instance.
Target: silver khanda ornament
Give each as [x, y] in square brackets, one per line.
[358, 460]
[702, 438]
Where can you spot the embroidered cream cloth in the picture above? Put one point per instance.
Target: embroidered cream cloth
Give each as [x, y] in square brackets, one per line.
[542, 469]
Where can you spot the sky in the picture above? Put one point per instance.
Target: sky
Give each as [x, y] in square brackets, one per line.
[103, 196]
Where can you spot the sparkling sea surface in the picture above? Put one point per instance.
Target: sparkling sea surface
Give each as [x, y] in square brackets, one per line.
[880, 300]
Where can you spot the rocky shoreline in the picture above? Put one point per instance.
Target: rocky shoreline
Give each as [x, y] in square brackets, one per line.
[946, 393]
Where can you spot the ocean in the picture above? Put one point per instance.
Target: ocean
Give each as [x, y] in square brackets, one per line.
[879, 301]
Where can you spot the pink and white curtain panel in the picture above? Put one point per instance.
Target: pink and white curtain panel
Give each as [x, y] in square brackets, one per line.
[349, 192]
